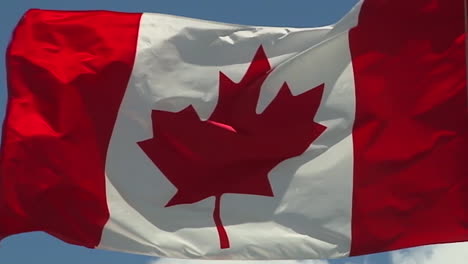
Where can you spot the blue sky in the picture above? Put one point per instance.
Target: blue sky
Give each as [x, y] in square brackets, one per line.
[41, 248]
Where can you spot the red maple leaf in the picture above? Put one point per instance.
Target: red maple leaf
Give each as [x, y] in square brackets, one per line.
[235, 149]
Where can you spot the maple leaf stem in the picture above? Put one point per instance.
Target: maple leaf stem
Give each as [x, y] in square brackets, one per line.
[223, 236]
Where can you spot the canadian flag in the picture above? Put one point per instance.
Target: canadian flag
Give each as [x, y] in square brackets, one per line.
[177, 137]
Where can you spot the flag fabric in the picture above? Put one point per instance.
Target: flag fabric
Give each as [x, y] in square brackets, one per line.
[178, 137]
